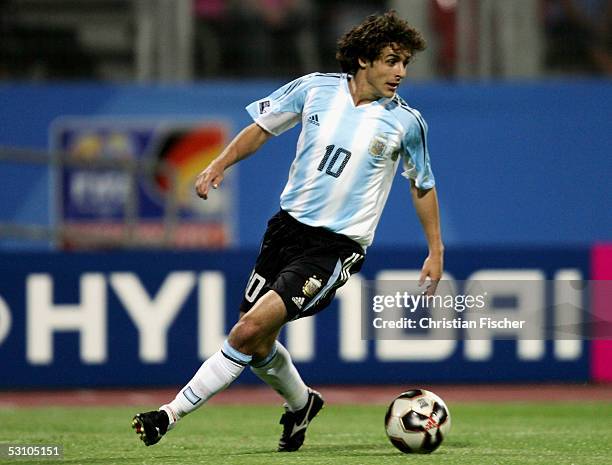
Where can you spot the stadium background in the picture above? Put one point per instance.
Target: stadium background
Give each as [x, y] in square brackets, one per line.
[520, 144]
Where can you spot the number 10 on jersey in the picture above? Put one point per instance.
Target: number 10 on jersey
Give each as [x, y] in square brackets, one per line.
[338, 160]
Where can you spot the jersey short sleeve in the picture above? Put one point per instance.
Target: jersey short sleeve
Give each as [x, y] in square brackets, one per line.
[282, 109]
[417, 166]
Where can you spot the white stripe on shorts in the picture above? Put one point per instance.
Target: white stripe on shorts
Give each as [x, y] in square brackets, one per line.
[341, 271]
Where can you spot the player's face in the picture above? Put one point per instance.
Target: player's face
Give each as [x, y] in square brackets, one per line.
[384, 74]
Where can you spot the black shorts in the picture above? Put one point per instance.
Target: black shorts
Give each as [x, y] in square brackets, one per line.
[303, 264]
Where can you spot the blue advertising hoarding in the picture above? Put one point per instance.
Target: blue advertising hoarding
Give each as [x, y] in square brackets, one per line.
[149, 319]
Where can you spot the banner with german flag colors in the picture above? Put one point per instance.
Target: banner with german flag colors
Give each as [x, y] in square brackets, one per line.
[126, 182]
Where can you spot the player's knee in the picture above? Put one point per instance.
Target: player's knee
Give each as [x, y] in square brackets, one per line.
[246, 336]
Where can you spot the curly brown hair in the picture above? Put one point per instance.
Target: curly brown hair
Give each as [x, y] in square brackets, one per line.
[367, 40]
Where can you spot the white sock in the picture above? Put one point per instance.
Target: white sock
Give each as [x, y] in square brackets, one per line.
[215, 374]
[278, 371]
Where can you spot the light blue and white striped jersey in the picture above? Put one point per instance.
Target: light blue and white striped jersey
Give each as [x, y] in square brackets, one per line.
[346, 155]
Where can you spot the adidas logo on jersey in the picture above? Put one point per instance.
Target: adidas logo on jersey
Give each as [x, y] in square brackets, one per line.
[314, 119]
[298, 301]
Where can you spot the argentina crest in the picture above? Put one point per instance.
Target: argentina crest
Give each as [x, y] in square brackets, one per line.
[378, 144]
[311, 286]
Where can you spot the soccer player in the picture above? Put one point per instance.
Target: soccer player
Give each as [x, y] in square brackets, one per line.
[355, 130]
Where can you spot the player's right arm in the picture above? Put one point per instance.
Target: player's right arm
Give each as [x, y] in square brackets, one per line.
[272, 115]
[248, 141]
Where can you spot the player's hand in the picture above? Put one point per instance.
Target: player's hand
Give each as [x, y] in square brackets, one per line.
[432, 273]
[212, 176]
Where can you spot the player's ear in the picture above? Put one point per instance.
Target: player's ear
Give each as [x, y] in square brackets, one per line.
[362, 63]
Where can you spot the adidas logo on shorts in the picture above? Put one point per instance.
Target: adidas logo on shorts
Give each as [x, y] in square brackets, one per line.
[298, 301]
[314, 119]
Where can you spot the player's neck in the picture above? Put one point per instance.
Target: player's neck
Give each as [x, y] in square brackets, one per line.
[361, 91]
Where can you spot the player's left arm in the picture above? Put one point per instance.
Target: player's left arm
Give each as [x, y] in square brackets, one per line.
[426, 205]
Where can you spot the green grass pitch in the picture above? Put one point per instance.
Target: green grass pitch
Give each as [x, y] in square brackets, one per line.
[557, 433]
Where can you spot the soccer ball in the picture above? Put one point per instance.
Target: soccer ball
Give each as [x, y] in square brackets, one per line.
[417, 421]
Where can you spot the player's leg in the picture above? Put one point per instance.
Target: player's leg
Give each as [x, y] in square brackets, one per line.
[227, 364]
[278, 371]
[275, 366]
[307, 285]
[256, 331]
[249, 337]
[302, 403]
[253, 334]
[272, 363]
